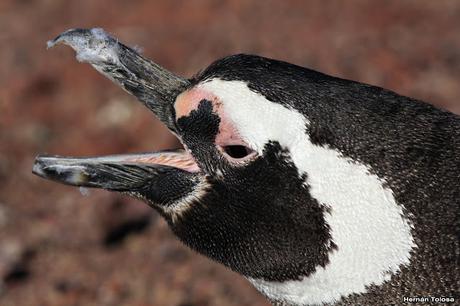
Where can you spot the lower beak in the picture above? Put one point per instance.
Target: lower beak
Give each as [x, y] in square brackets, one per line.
[114, 172]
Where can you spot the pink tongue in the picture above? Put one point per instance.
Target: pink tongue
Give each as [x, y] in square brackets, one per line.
[183, 161]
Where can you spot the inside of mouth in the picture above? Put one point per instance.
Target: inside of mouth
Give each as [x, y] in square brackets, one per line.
[180, 159]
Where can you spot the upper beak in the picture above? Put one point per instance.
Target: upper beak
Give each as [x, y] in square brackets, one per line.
[156, 87]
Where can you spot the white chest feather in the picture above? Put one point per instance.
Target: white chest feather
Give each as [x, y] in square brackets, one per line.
[366, 223]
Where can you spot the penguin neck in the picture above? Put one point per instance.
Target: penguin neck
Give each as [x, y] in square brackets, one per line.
[373, 238]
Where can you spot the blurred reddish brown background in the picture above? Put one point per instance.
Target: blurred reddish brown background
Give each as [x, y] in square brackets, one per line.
[58, 247]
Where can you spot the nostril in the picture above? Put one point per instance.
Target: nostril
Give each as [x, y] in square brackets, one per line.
[237, 151]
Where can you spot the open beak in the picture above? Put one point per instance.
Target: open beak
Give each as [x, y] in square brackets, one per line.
[154, 86]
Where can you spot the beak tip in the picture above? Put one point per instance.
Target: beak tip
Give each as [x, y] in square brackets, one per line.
[50, 44]
[38, 167]
[63, 37]
[93, 46]
[54, 168]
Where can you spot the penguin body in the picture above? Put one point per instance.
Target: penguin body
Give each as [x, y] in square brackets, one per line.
[318, 190]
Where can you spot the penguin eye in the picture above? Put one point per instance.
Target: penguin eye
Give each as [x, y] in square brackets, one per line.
[238, 151]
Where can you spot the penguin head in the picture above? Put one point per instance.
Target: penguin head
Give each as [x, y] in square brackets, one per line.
[281, 204]
[234, 194]
[254, 212]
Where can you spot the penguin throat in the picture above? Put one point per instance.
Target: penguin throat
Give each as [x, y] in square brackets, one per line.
[372, 237]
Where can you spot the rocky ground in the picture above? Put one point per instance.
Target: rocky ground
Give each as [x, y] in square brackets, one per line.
[58, 247]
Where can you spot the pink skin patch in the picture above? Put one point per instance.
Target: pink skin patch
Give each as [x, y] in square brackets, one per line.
[190, 100]
[228, 135]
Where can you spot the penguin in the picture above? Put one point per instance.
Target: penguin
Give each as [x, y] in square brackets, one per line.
[318, 190]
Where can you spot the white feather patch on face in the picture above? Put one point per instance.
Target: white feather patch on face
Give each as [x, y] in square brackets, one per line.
[366, 223]
[177, 209]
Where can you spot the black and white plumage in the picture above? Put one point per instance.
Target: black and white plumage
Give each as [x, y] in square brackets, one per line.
[316, 189]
